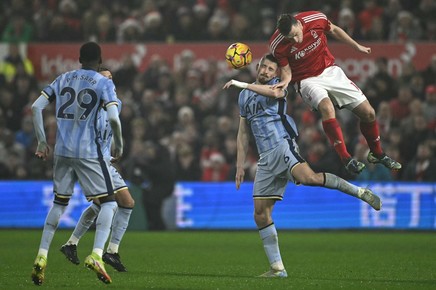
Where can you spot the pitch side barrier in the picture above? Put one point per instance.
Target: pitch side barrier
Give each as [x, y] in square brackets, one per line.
[210, 206]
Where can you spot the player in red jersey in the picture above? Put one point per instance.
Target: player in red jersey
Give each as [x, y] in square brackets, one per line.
[300, 46]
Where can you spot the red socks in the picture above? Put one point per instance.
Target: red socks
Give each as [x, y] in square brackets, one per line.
[371, 133]
[334, 134]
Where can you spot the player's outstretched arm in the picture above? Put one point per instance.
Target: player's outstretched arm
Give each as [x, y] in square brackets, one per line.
[114, 121]
[264, 90]
[341, 35]
[43, 149]
[242, 149]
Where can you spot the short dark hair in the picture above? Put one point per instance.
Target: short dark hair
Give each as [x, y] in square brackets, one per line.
[90, 52]
[285, 22]
[103, 68]
[270, 57]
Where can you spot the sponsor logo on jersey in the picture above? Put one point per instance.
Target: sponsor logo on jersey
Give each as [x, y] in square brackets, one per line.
[308, 49]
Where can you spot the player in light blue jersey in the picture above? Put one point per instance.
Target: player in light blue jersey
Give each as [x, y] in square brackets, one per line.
[123, 197]
[78, 155]
[263, 110]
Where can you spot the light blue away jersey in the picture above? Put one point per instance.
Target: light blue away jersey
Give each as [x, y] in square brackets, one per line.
[104, 130]
[78, 95]
[267, 118]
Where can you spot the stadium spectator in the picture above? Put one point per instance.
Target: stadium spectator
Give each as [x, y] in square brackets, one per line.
[18, 30]
[13, 58]
[217, 169]
[423, 166]
[429, 105]
[152, 169]
[429, 73]
[187, 165]
[405, 28]
[380, 86]
[400, 104]
[366, 16]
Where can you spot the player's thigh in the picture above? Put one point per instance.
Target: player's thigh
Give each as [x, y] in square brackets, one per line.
[94, 177]
[312, 92]
[343, 92]
[122, 194]
[64, 176]
[274, 170]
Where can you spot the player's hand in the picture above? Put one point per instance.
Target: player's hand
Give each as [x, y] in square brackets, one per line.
[116, 155]
[42, 150]
[364, 49]
[239, 178]
[281, 85]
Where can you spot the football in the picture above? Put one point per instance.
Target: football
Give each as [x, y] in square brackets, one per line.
[238, 55]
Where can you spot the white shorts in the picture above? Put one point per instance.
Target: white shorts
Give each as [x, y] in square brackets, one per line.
[331, 83]
[274, 170]
[94, 176]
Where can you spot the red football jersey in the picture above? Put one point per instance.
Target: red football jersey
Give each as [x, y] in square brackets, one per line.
[310, 57]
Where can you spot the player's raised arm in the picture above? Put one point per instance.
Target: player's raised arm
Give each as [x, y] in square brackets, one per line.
[341, 35]
[265, 90]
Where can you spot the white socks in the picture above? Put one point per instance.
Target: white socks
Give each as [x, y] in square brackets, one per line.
[271, 245]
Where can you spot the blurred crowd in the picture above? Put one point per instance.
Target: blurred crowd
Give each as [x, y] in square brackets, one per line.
[205, 20]
[178, 123]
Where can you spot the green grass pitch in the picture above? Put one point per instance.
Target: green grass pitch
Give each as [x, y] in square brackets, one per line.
[232, 260]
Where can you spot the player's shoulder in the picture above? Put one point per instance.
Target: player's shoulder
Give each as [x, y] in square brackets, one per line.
[276, 42]
[313, 16]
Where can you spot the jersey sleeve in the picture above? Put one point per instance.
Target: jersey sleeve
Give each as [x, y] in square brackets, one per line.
[109, 94]
[49, 91]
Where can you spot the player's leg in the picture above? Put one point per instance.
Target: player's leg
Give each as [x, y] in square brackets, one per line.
[306, 176]
[96, 182]
[108, 206]
[119, 225]
[370, 130]
[313, 92]
[69, 249]
[268, 233]
[63, 186]
[267, 189]
[50, 226]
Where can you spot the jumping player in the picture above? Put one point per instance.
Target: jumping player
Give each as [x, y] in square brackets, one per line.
[300, 46]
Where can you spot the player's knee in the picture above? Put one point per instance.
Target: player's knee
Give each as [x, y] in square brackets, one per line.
[125, 199]
[61, 200]
[107, 198]
[127, 202]
[326, 109]
[261, 218]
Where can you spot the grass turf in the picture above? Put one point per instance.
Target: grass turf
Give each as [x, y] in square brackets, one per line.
[232, 260]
